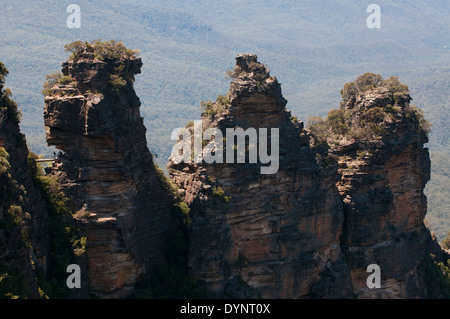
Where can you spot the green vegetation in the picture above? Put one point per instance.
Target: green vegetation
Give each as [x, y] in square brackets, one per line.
[14, 234]
[219, 192]
[103, 50]
[8, 108]
[437, 274]
[117, 82]
[220, 105]
[3, 73]
[180, 207]
[54, 79]
[369, 81]
[368, 124]
[65, 241]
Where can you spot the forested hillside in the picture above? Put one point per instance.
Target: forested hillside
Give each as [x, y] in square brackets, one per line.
[186, 47]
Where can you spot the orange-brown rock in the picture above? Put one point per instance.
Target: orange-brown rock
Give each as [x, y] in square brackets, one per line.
[107, 171]
[382, 181]
[267, 235]
[348, 194]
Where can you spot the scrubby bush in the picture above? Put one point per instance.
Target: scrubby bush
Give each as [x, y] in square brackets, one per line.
[417, 118]
[9, 108]
[117, 82]
[207, 107]
[242, 261]
[220, 105]
[53, 79]
[218, 191]
[362, 84]
[103, 50]
[372, 123]
[369, 81]
[395, 85]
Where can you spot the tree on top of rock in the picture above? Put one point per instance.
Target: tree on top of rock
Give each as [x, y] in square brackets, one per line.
[102, 50]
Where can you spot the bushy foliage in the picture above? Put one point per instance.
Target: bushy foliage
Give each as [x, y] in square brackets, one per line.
[207, 107]
[363, 83]
[64, 239]
[13, 284]
[8, 108]
[372, 123]
[437, 274]
[220, 105]
[13, 279]
[369, 81]
[103, 50]
[415, 116]
[53, 79]
[219, 192]
[117, 82]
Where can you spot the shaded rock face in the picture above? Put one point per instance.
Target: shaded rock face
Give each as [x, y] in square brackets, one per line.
[267, 235]
[333, 208]
[107, 171]
[24, 220]
[382, 182]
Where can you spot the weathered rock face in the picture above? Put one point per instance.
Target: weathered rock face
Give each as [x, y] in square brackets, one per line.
[24, 221]
[383, 176]
[266, 235]
[347, 194]
[107, 171]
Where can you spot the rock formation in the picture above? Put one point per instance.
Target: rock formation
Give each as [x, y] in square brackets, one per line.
[33, 259]
[268, 236]
[348, 194]
[24, 222]
[274, 210]
[106, 169]
[384, 168]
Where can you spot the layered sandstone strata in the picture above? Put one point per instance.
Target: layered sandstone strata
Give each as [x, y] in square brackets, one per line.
[383, 175]
[262, 235]
[347, 194]
[106, 169]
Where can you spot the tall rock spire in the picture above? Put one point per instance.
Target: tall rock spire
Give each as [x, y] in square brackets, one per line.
[106, 170]
[256, 235]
